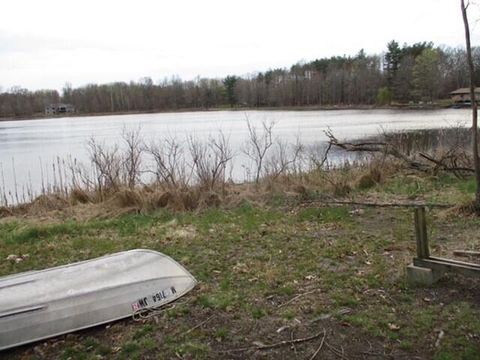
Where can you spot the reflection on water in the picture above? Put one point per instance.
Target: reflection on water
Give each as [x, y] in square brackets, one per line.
[27, 144]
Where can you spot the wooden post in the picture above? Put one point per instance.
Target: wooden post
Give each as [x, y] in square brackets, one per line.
[421, 233]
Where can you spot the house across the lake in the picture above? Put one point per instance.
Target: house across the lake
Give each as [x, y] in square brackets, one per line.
[54, 109]
[462, 95]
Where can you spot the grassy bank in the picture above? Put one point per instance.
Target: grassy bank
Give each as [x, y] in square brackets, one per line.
[288, 267]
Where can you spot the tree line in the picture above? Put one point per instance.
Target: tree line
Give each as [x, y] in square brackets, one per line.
[416, 72]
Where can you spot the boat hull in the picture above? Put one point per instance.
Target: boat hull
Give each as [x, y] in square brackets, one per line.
[42, 304]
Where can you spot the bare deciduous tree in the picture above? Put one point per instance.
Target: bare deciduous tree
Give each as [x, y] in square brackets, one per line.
[476, 159]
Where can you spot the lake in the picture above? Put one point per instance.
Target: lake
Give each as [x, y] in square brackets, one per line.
[30, 147]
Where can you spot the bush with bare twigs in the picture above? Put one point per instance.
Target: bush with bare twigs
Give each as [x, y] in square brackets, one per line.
[114, 167]
[132, 157]
[170, 168]
[210, 161]
[257, 146]
[284, 159]
[194, 174]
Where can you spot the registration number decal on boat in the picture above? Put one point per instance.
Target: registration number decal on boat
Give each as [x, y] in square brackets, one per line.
[154, 299]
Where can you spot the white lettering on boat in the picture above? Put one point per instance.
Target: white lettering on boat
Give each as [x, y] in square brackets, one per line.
[157, 297]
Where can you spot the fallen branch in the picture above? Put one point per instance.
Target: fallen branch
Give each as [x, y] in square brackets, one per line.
[336, 351]
[279, 344]
[293, 345]
[443, 166]
[448, 162]
[373, 147]
[321, 345]
[296, 297]
[198, 325]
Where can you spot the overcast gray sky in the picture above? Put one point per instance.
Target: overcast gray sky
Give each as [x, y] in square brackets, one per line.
[44, 44]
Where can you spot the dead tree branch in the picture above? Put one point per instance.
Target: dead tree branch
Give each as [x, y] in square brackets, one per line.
[278, 344]
[454, 160]
[376, 147]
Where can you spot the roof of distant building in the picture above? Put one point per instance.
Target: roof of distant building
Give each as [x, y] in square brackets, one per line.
[461, 91]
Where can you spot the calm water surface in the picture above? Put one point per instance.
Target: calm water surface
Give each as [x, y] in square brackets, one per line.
[27, 144]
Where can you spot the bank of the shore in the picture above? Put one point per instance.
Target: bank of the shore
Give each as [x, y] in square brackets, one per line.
[442, 105]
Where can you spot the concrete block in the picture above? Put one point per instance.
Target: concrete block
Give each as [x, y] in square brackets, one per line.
[422, 276]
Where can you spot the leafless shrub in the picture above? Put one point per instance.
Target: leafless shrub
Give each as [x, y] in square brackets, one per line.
[170, 165]
[107, 166]
[299, 164]
[210, 161]
[284, 159]
[132, 157]
[257, 146]
[114, 167]
[81, 175]
[190, 174]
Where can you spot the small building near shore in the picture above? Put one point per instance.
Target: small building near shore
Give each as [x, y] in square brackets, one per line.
[462, 95]
[54, 109]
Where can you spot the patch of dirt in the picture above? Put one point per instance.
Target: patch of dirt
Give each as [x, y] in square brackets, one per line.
[266, 338]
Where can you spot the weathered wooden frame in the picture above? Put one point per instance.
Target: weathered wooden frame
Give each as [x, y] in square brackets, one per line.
[436, 264]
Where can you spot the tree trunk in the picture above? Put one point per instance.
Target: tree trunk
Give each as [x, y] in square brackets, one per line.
[476, 159]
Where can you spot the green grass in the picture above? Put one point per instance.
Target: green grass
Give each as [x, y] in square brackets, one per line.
[221, 333]
[444, 188]
[249, 260]
[219, 301]
[325, 215]
[258, 313]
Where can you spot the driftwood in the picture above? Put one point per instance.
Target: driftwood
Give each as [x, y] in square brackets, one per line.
[448, 162]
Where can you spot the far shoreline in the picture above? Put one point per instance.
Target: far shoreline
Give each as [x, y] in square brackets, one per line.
[407, 107]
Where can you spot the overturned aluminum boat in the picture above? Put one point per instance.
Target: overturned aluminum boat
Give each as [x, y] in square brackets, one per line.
[40, 304]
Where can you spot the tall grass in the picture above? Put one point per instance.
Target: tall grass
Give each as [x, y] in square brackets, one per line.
[191, 172]
[189, 167]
